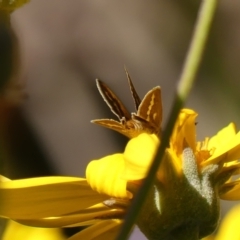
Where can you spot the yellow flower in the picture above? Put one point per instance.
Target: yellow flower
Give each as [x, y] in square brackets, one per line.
[193, 176]
[218, 154]
[183, 202]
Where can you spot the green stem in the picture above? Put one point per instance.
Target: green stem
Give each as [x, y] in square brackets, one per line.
[198, 43]
[189, 72]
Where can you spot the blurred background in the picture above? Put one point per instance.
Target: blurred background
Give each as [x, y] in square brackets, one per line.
[65, 45]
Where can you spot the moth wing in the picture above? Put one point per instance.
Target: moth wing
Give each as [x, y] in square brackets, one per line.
[113, 125]
[113, 102]
[150, 108]
[135, 96]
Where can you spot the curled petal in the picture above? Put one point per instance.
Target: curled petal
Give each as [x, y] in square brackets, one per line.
[184, 131]
[138, 156]
[104, 176]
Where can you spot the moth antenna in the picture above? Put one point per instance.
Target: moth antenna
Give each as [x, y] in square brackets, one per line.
[135, 96]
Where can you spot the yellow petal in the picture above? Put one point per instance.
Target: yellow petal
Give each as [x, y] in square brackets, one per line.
[84, 217]
[46, 197]
[184, 131]
[106, 229]
[222, 137]
[104, 176]
[231, 191]
[16, 231]
[229, 228]
[138, 155]
[233, 167]
[226, 152]
[4, 179]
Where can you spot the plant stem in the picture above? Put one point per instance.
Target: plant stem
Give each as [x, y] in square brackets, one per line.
[195, 52]
[187, 78]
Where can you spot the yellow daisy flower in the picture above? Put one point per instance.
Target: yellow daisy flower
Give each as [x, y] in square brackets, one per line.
[183, 203]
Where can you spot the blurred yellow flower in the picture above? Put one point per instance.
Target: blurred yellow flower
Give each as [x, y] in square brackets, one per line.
[6, 8]
[11, 5]
[229, 227]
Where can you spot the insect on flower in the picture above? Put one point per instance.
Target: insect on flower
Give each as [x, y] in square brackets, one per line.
[182, 203]
[148, 117]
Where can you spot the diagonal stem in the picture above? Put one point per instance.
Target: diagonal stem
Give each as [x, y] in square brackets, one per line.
[187, 78]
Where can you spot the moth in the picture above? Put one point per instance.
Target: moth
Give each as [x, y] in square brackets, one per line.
[148, 116]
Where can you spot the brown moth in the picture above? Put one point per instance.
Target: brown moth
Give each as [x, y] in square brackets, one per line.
[148, 117]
